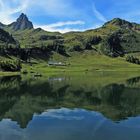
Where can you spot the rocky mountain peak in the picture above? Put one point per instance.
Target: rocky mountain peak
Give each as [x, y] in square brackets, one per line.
[22, 23]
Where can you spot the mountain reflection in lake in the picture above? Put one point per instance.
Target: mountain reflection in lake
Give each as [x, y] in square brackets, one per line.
[69, 109]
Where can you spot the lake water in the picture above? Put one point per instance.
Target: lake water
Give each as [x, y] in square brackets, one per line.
[85, 107]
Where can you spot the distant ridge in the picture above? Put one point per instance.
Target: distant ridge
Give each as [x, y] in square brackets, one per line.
[124, 24]
[23, 23]
[116, 37]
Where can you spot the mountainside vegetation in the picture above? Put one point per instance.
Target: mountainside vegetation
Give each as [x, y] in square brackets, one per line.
[115, 38]
[6, 40]
[10, 65]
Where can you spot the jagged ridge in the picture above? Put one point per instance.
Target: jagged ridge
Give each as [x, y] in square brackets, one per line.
[22, 23]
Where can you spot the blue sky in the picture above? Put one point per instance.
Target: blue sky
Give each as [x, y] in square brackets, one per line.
[69, 15]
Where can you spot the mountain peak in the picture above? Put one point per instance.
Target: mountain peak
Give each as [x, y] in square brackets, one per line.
[22, 23]
[23, 16]
[120, 22]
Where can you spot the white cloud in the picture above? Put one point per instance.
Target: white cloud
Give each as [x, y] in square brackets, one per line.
[54, 8]
[63, 113]
[64, 30]
[60, 26]
[57, 8]
[98, 14]
[57, 26]
[6, 10]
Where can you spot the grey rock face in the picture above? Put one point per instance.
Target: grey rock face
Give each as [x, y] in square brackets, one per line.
[22, 23]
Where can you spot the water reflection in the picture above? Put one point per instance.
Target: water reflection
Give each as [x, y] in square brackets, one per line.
[23, 103]
[133, 81]
[67, 124]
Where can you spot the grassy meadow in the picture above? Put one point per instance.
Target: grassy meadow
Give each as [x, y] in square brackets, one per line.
[86, 62]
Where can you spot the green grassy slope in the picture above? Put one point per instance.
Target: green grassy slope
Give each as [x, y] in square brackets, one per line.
[6, 40]
[87, 62]
[87, 51]
[114, 38]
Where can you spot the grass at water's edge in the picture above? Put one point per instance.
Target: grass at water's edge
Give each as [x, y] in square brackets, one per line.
[79, 63]
[9, 73]
[83, 62]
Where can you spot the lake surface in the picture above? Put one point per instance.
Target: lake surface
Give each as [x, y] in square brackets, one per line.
[83, 107]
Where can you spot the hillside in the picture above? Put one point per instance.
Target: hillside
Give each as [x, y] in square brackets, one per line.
[6, 40]
[115, 38]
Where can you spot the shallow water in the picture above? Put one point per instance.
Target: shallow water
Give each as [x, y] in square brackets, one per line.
[69, 108]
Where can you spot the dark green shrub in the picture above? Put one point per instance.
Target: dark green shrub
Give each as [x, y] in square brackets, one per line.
[133, 59]
[10, 65]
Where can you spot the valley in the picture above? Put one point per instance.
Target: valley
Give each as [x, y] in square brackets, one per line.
[113, 47]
